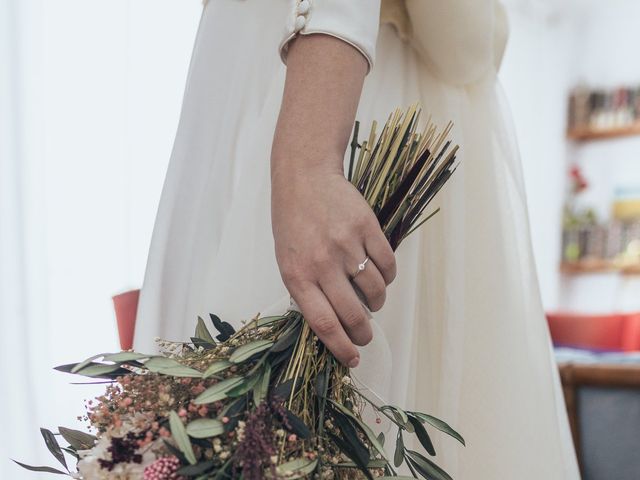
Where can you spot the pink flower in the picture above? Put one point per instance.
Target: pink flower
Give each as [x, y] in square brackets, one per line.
[163, 469]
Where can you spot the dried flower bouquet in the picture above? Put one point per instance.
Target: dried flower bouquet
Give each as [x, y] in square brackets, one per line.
[269, 400]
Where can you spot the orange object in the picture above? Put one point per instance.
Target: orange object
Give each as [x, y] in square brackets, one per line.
[126, 307]
[631, 333]
[615, 332]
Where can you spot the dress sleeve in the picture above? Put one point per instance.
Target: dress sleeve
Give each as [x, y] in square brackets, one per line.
[353, 21]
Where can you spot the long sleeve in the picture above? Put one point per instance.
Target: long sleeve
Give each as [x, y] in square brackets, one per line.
[353, 21]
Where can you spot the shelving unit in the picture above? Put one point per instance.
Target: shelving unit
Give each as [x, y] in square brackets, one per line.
[598, 266]
[586, 134]
[590, 110]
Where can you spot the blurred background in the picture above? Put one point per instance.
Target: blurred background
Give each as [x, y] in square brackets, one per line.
[90, 94]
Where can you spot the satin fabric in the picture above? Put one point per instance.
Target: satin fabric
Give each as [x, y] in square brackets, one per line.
[462, 335]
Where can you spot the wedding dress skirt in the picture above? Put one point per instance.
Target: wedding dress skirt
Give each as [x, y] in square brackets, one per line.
[462, 335]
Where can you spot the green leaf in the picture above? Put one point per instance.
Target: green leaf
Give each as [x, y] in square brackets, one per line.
[169, 366]
[400, 416]
[398, 456]
[71, 451]
[202, 332]
[86, 362]
[244, 387]
[216, 367]
[97, 369]
[197, 469]
[221, 474]
[264, 321]
[205, 428]
[179, 434]
[298, 468]
[247, 351]
[233, 410]
[288, 338]
[422, 435]
[122, 357]
[297, 425]
[54, 448]
[198, 342]
[119, 371]
[374, 463]
[350, 436]
[365, 428]
[41, 469]
[348, 450]
[283, 390]
[426, 467]
[262, 387]
[77, 439]
[161, 362]
[226, 329]
[396, 477]
[218, 391]
[439, 424]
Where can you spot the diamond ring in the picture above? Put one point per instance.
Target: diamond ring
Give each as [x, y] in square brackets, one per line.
[361, 267]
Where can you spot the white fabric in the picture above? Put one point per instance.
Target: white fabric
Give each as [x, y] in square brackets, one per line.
[354, 21]
[89, 98]
[462, 334]
[24, 352]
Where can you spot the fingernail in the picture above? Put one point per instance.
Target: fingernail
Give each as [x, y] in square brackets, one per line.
[354, 362]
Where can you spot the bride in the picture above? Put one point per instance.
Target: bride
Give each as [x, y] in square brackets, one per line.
[256, 207]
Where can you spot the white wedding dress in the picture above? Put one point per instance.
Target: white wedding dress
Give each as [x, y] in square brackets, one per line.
[462, 335]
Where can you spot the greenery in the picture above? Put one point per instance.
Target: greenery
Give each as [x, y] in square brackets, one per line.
[268, 400]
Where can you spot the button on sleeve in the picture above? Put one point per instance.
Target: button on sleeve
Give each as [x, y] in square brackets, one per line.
[353, 21]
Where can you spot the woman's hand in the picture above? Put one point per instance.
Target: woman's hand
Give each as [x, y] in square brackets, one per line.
[323, 228]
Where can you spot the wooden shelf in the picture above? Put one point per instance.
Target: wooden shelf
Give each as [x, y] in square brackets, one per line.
[585, 134]
[598, 266]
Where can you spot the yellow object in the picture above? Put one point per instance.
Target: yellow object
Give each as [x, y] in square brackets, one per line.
[628, 209]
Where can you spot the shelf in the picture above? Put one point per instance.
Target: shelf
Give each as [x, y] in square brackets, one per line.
[585, 134]
[598, 266]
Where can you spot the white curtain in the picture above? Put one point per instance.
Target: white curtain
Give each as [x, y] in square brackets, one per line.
[90, 94]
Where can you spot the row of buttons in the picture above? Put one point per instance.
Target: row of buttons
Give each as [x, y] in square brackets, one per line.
[301, 11]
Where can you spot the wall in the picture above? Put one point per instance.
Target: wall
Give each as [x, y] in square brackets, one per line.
[607, 58]
[553, 47]
[536, 77]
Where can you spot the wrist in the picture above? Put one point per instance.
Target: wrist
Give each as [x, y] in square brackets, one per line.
[305, 164]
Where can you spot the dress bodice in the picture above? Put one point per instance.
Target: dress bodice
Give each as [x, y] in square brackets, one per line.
[460, 40]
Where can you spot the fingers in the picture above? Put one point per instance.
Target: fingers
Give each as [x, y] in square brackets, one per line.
[381, 253]
[348, 307]
[372, 285]
[323, 321]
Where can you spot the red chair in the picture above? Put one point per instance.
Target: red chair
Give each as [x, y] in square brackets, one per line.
[615, 332]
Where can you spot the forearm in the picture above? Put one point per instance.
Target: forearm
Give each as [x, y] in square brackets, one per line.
[321, 94]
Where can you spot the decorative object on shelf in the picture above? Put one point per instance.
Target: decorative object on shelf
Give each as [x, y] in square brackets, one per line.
[593, 246]
[604, 113]
[582, 236]
[625, 228]
[269, 401]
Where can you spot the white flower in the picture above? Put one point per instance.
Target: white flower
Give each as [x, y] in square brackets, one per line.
[90, 469]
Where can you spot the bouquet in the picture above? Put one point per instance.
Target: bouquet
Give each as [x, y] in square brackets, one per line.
[269, 400]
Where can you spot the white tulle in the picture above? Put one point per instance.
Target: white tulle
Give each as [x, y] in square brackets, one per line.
[462, 335]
